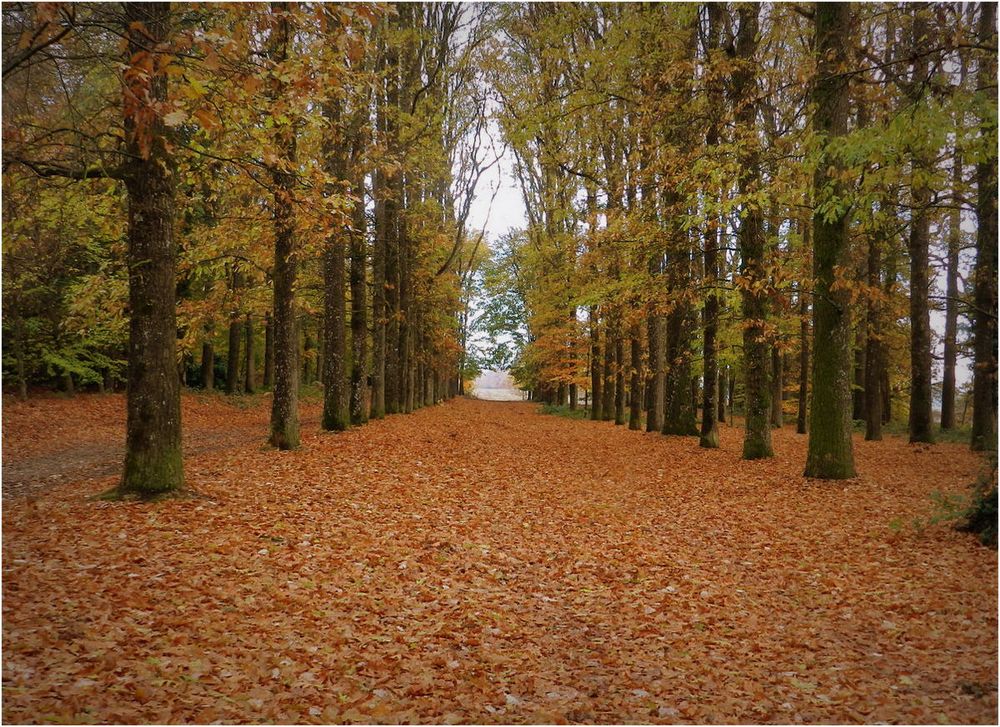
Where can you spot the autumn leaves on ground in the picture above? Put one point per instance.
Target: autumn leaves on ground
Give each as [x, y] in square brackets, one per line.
[482, 562]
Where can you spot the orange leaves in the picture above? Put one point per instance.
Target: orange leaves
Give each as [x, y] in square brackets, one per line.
[555, 570]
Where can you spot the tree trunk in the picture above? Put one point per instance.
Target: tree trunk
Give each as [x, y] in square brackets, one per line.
[858, 389]
[723, 389]
[596, 390]
[250, 379]
[308, 350]
[830, 454]
[635, 385]
[207, 366]
[711, 401]
[153, 460]
[777, 388]
[873, 343]
[951, 304]
[984, 380]
[679, 416]
[359, 306]
[285, 399]
[336, 406]
[619, 377]
[753, 265]
[268, 351]
[921, 395]
[233, 357]
[801, 420]
[658, 362]
[608, 406]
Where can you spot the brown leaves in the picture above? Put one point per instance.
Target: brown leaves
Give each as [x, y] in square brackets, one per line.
[478, 562]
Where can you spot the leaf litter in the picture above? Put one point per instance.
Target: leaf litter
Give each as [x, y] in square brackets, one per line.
[480, 562]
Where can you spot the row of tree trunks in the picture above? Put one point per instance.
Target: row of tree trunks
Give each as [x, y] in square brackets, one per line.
[984, 381]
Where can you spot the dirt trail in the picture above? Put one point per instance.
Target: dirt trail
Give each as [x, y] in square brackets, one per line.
[480, 562]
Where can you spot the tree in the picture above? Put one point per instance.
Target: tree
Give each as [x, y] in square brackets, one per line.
[756, 349]
[984, 382]
[830, 454]
[285, 399]
[153, 460]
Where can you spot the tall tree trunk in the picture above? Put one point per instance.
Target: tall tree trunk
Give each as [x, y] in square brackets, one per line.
[608, 406]
[801, 421]
[753, 264]
[723, 388]
[250, 378]
[679, 416]
[951, 304]
[873, 343]
[207, 366]
[359, 306]
[710, 403]
[635, 385]
[984, 379]
[619, 377]
[658, 364]
[233, 356]
[153, 460]
[777, 388]
[921, 395]
[308, 349]
[830, 454]
[268, 351]
[336, 406]
[596, 390]
[858, 389]
[285, 399]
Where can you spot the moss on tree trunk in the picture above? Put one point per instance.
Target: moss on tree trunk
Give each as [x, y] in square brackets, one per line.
[830, 454]
[153, 461]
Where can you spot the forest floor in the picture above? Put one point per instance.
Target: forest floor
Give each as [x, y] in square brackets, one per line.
[481, 562]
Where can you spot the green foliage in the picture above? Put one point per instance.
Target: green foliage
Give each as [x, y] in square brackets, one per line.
[980, 516]
[564, 411]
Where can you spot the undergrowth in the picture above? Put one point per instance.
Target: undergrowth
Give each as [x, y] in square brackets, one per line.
[564, 411]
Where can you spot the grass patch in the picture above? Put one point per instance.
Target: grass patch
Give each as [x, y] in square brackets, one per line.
[564, 411]
[900, 427]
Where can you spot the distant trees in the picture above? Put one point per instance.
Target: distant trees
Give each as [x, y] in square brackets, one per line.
[818, 192]
[242, 209]
[716, 219]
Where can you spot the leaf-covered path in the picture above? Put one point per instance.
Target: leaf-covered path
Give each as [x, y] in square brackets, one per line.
[480, 562]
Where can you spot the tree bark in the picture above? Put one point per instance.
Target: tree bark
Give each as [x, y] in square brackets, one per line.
[801, 421]
[921, 395]
[984, 380]
[951, 304]
[153, 460]
[777, 388]
[336, 406]
[619, 378]
[608, 406]
[268, 351]
[359, 306]
[285, 399]
[873, 343]
[250, 378]
[233, 355]
[596, 390]
[710, 403]
[830, 453]
[756, 354]
[635, 385]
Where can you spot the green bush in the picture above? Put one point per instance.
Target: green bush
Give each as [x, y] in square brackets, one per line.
[981, 515]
